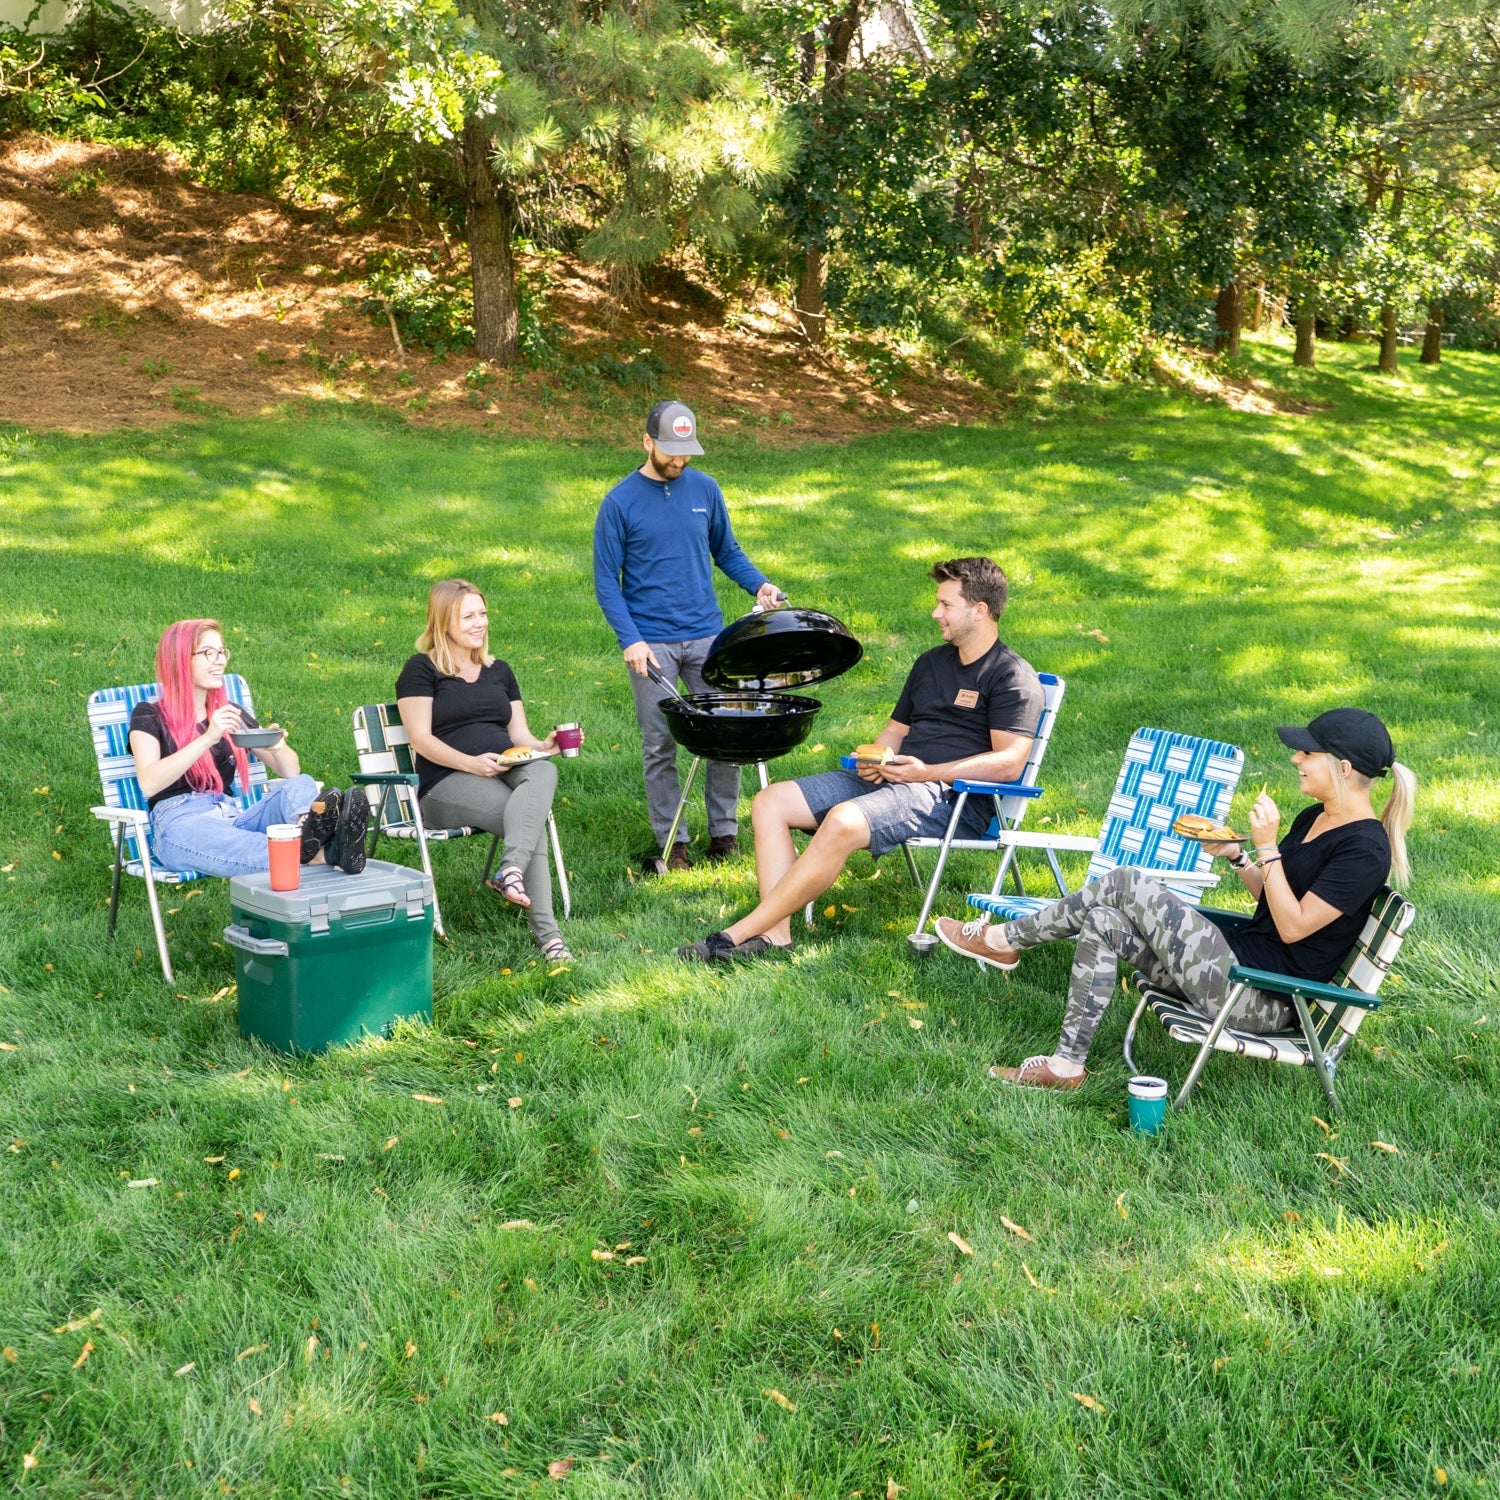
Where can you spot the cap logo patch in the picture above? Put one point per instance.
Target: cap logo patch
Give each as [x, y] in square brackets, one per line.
[682, 427]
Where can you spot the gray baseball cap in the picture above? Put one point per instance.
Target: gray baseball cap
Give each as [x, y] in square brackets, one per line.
[674, 429]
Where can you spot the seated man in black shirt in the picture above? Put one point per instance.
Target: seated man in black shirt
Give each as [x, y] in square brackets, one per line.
[969, 711]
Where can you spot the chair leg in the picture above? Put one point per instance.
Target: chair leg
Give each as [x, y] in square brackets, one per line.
[562, 869]
[437, 911]
[1130, 1035]
[1206, 1050]
[1007, 859]
[911, 866]
[156, 922]
[114, 888]
[942, 859]
[1057, 874]
[489, 862]
[1321, 1065]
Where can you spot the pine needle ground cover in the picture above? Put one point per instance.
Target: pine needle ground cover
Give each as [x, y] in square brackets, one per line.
[770, 1232]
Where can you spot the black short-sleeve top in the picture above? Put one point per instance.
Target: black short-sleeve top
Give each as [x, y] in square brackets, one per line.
[1346, 866]
[471, 717]
[145, 718]
[950, 707]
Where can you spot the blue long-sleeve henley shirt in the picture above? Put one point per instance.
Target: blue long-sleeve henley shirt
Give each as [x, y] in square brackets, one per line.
[654, 548]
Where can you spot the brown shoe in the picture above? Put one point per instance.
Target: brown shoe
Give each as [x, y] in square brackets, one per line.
[678, 858]
[968, 938]
[1036, 1073]
[721, 847]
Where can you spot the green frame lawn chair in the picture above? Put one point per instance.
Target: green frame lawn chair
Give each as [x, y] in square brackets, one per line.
[1328, 1015]
[388, 773]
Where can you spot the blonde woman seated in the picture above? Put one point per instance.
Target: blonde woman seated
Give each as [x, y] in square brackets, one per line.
[462, 710]
[1314, 890]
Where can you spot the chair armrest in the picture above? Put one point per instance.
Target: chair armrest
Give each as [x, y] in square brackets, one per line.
[1206, 879]
[134, 815]
[997, 788]
[1309, 989]
[1063, 841]
[386, 778]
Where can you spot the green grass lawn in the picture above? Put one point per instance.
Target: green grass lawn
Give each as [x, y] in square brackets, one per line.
[320, 1296]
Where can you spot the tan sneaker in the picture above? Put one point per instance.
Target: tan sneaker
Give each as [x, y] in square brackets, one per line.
[968, 938]
[1036, 1073]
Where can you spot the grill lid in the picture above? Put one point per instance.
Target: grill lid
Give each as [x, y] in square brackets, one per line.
[781, 648]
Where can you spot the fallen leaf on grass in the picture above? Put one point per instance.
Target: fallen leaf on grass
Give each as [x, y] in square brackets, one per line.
[500, 1417]
[1323, 1124]
[515, 1101]
[1088, 1401]
[75, 1324]
[914, 1023]
[1100, 636]
[1339, 1163]
[83, 1354]
[635, 1260]
[213, 1161]
[1031, 1277]
[10, 1355]
[9, 1046]
[1014, 1228]
[1386, 1147]
[803, 1080]
[234, 1172]
[141, 1182]
[518, 1224]
[560, 969]
[963, 1246]
[411, 1348]
[560, 1468]
[1120, 1204]
[892, 1489]
[390, 1141]
[256, 1407]
[253, 1349]
[784, 1402]
[427, 1098]
[311, 1349]
[28, 1461]
[602, 1254]
[1220, 1363]
[186, 1369]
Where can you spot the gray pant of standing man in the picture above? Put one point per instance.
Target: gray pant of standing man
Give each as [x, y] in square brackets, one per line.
[679, 659]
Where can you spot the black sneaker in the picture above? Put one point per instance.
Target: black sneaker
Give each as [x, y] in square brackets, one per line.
[321, 823]
[721, 847]
[347, 847]
[711, 950]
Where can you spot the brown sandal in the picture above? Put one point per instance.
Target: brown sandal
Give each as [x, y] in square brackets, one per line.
[510, 884]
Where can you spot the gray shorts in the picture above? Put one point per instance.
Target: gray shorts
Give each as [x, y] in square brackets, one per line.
[895, 811]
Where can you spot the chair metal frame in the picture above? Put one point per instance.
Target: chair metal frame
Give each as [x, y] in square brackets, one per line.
[125, 808]
[395, 812]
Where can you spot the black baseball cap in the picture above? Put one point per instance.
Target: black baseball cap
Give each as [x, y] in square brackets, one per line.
[674, 429]
[1349, 734]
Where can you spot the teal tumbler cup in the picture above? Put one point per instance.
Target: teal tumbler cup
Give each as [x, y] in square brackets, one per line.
[1148, 1104]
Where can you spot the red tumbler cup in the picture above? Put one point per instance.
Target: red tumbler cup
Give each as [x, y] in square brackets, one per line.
[285, 840]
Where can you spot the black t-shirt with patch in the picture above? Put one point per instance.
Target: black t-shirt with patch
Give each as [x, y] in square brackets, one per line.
[1346, 866]
[467, 716]
[950, 708]
[145, 718]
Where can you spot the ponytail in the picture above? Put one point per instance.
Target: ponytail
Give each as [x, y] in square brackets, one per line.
[1396, 819]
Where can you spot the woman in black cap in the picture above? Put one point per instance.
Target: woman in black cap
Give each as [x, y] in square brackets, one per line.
[1313, 889]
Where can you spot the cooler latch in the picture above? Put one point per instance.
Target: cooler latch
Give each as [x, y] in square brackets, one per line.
[416, 902]
[317, 912]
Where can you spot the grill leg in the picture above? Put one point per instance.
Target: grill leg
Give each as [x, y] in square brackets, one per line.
[765, 780]
[114, 889]
[687, 791]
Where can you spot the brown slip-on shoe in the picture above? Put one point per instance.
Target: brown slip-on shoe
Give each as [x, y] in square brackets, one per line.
[968, 938]
[1036, 1073]
[679, 859]
[722, 846]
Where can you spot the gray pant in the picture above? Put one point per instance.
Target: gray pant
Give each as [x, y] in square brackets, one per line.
[721, 789]
[515, 805]
[1130, 915]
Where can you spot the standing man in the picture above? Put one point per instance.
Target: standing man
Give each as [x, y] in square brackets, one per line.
[658, 535]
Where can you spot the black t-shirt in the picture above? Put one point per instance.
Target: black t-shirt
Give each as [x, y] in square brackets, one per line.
[468, 716]
[950, 708]
[1346, 866]
[146, 718]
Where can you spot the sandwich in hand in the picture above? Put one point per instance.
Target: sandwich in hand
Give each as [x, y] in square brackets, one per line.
[1196, 826]
[874, 755]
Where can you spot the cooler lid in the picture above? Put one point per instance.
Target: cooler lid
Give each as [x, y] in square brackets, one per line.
[326, 893]
[781, 648]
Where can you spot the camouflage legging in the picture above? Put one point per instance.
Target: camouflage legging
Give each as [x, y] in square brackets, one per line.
[1132, 916]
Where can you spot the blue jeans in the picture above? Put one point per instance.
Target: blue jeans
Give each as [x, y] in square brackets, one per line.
[212, 834]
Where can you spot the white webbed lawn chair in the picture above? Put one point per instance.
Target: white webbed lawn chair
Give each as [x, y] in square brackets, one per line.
[1164, 775]
[125, 803]
[388, 773]
[1325, 1027]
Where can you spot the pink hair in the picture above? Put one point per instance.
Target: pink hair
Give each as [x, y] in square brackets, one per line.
[174, 671]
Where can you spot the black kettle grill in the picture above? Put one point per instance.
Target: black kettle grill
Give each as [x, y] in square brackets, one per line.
[754, 720]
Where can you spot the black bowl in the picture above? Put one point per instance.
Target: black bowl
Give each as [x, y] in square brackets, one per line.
[739, 729]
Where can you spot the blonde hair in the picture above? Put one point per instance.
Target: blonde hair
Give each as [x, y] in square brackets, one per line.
[1399, 807]
[444, 600]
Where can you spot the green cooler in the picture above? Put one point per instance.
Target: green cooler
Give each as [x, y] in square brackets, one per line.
[338, 958]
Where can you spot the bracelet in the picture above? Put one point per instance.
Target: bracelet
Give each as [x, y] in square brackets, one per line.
[1241, 862]
[1269, 859]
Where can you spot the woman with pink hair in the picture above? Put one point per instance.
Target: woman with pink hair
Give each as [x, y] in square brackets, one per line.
[188, 767]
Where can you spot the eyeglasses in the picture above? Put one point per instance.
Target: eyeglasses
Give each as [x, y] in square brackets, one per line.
[214, 653]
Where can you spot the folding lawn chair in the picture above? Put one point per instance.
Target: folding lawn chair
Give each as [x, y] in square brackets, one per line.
[389, 776]
[1164, 775]
[1340, 1005]
[125, 804]
[1010, 800]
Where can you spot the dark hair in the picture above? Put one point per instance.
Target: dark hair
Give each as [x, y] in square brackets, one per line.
[982, 581]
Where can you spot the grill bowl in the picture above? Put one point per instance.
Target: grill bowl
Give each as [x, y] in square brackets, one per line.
[739, 729]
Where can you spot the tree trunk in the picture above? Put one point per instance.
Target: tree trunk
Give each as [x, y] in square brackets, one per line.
[1388, 339]
[1307, 338]
[1432, 339]
[1257, 309]
[1231, 316]
[810, 294]
[491, 230]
